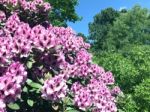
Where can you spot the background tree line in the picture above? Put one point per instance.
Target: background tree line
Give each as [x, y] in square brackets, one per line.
[121, 43]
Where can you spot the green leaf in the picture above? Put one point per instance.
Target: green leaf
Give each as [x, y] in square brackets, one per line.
[67, 101]
[29, 64]
[35, 85]
[69, 81]
[25, 89]
[48, 75]
[33, 90]
[41, 81]
[30, 102]
[14, 106]
[69, 109]
[29, 81]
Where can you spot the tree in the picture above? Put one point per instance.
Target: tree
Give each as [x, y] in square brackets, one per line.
[99, 28]
[129, 28]
[63, 11]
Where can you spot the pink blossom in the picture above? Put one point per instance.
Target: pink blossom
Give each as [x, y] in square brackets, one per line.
[54, 88]
[2, 16]
[116, 90]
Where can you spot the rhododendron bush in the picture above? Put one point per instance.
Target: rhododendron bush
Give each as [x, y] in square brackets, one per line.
[44, 68]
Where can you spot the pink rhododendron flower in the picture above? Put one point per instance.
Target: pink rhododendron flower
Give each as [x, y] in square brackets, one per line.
[54, 54]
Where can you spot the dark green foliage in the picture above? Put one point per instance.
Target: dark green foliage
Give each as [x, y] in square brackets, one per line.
[112, 30]
[129, 28]
[99, 28]
[63, 11]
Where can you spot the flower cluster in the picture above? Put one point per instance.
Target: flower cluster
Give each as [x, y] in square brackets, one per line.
[54, 50]
[10, 83]
[54, 89]
[2, 16]
[96, 93]
[45, 39]
[33, 5]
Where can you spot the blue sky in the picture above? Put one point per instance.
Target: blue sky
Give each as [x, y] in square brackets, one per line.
[88, 8]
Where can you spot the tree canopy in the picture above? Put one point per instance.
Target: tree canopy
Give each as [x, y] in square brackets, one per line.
[112, 30]
[129, 28]
[124, 42]
[61, 14]
[99, 28]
